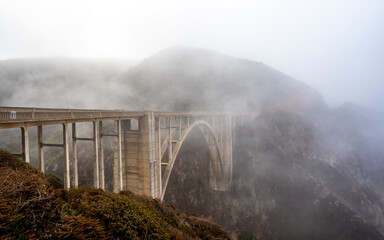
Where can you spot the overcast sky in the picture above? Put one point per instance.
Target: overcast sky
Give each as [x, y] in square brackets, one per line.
[335, 46]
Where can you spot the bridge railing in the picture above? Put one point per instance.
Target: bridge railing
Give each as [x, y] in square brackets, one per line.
[10, 114]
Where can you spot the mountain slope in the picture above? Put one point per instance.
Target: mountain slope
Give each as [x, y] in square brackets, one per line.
[283, 186]
[196, 79]
[176, 78]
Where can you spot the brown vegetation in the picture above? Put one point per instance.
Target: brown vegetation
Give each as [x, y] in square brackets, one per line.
[30, 208]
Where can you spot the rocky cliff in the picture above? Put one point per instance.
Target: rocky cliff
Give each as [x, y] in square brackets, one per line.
[284, 183]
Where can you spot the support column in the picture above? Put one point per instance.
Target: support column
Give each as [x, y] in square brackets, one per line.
[67, 182]
[74, 157]
[117, 163]
[40, 148]
[229, 149]
[120, 155]
[158, 140]
[170, 150]
[96, 182]
[101, 156]
[25, 144]
[225, 143]
[152, 154]
[179, 128]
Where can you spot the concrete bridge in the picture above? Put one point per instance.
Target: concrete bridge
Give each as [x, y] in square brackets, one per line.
[146, 143]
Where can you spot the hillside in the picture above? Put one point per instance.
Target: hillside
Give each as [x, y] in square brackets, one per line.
[181, 78]
[31, 209]
[177, 78]
[288, 183]
[61, 82]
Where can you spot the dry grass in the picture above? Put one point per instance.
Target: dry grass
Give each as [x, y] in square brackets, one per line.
[26, 200]
[32, 209]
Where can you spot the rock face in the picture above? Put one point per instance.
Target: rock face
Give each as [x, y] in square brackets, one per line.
[284, 185]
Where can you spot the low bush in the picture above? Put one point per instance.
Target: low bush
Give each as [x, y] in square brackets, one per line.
[31, 208]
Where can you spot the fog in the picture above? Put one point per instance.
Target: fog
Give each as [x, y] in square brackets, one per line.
[307, 162]
[334, 46]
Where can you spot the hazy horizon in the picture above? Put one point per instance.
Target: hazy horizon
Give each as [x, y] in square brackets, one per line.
[335, 47]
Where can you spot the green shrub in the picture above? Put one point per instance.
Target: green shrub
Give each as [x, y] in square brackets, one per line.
[123, 216]
[30, 208]
[245, 236]
[54, 181]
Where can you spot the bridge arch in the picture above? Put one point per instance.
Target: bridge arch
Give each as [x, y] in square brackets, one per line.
[216, 161]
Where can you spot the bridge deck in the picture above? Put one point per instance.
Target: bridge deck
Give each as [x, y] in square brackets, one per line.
[11, 117]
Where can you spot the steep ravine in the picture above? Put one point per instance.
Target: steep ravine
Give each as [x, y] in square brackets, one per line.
[283, 187]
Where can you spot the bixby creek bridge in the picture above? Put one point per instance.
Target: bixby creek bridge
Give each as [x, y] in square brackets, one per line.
[146, 143]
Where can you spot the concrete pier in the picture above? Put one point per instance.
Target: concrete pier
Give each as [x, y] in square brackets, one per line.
[96, 179]
[118, 162]
[75, 173]
[67, 178]
[25, 144]
[40, 150]
[101, 157]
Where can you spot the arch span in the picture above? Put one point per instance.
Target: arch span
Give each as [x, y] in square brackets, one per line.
[216, 170]
[147, 166]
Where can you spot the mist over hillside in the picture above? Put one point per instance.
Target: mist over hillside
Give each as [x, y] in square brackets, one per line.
[61, 82]
[196, 79]
[288, 182]
[177, 78]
